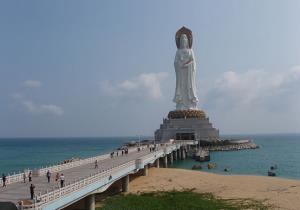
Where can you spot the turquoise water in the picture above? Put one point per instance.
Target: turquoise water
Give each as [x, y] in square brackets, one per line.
[282, 150]
[21, 153]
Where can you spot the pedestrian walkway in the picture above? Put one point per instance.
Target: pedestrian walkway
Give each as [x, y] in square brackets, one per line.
[20, 191]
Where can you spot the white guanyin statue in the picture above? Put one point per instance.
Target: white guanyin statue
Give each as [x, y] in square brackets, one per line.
[185, 68]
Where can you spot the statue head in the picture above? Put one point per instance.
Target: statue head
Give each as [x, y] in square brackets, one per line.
[184, 42]
[188, 35]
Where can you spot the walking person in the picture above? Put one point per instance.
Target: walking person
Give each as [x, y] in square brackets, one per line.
[30, 176]
[48, 176]
[4, 180]
[24, 177]
[32, 191]
[57, 177]
[96, 164]
[62, 180]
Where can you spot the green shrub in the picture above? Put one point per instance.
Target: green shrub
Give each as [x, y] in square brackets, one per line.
[176, 200]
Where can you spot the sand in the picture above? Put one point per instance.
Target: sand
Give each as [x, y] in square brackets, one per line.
[277, 192]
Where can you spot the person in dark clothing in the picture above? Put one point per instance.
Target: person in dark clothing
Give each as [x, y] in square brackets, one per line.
[30, 176]
[96, 164]
[32, 191]
[4, 180]
[48, 176]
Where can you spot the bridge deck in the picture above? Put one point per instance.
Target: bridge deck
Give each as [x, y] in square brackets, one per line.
[20, 191]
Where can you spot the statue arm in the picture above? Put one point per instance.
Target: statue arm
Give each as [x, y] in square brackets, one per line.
[191, 59]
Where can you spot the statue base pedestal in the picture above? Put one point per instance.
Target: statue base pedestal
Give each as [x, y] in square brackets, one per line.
[186, 125]
[191, 113]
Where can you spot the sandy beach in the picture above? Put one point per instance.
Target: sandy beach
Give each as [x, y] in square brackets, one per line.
[278, 192]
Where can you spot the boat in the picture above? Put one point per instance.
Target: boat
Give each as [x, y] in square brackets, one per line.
[271, 173]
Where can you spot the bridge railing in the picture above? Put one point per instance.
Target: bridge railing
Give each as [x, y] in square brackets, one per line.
[10, 179]
[47, 197]
[42, 199]
[13, 178]
[72, 164]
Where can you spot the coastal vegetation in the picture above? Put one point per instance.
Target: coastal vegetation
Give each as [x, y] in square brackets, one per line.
[177, 200]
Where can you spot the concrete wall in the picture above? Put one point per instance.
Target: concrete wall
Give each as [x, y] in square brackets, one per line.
[202, 129]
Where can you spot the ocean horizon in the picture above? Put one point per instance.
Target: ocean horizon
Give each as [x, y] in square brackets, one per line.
[283, 150]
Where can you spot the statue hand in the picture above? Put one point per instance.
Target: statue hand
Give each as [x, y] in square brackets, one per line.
[187, 63]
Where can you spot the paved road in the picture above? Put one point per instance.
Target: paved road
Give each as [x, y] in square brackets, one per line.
[20, 191]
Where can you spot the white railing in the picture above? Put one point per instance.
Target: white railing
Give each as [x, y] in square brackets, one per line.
[80, 162]
[10, 179]
[13, 178]
[72, 164]
[47, 197]
[40, 200]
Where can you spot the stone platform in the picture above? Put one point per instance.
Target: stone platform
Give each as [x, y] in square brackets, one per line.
[186, 125]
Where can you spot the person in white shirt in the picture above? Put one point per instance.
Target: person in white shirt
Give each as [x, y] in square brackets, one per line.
[62, 180]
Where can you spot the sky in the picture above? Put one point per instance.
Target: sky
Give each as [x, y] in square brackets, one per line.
[105, 68]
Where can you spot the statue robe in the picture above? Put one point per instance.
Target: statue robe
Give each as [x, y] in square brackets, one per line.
[185, 68]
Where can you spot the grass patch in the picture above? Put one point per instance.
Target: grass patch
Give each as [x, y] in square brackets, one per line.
[177, 200]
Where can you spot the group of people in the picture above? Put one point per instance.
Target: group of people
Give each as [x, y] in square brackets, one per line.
[29, 177]
[4, 178]
[58, 176]
[123, 152]
[152, 148]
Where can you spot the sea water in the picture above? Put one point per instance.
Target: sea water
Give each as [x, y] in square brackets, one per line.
[17, 154]
[282, 150]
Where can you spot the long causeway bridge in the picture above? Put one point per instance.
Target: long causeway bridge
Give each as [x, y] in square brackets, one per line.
[83, 180]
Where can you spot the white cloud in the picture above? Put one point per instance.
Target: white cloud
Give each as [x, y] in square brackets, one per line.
[35, 108]
[145, 85]
[252, 87]
[32, 83]
[255, 101]
[42, 108]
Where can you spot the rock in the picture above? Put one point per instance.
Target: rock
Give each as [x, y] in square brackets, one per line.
[211, 165]
[196, 167]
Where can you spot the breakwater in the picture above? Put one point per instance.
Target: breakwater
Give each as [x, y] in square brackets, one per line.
[232, 147]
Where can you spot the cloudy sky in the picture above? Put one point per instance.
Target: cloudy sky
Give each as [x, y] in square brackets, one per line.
[105, 68]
